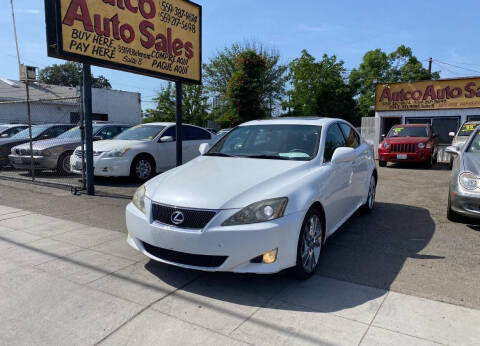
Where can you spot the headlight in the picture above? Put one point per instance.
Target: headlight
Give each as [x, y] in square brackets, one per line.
[116, 152]
[421, 145]
[385, 145]
[138, 199]
[266, 210]
[468, 181]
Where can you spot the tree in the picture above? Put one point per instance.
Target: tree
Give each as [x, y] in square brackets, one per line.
[319, 88]
[379, 67]
[194, 105]
[221, 68]
[246, 85]
[69, 74]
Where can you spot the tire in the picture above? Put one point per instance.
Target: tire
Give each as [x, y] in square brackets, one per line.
[370, 203]
[63, 163]
[142, 168]
[451, 214]
[429, 163]
[310, 244]
[382, 163]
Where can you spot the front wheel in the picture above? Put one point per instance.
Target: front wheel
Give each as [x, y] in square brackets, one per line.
[63, 164]
[142, 168]
[382, 163]
[310, 243]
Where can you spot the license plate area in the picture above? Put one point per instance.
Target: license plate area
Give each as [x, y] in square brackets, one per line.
[402, 156]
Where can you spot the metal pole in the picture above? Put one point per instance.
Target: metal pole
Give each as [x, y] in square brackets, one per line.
[29, 117]
[82, 136]
[87, 109]
[15, 32]
[430, 66]
[178, 111]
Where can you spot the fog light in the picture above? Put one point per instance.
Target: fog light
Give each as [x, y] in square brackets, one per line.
[270, 256]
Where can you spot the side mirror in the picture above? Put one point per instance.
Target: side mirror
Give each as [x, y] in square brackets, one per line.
[383, 136]
[4, 135]
[452, 150]
[343, 154]
[203, 148]
[434, 135]
[166, 139]
[451, 134]
[97, 138]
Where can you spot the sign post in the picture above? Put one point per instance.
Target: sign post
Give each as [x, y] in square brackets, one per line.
[178, 115]
[87, 111]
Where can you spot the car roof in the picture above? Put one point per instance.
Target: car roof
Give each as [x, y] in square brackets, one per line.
[472, 122]
[293, 121]
[12, 125]
[412, 125]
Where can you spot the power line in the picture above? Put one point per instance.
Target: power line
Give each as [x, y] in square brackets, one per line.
[452, 72]
[463, 68]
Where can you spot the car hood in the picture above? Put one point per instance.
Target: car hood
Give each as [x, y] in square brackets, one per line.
[471, 163]
[112, 144]
[209, 182]
[50, 143]
[406, 140]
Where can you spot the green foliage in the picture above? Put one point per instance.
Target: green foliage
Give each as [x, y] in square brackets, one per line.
[69, 74]
[319, 89]
[221, 68]
[194, 105]
[380, 67]
[246, 86]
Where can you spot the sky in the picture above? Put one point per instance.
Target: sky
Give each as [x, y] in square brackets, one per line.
[447, 31]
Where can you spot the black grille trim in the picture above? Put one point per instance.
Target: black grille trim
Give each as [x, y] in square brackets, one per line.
[185, 258]
[403, 148]
[194, 218]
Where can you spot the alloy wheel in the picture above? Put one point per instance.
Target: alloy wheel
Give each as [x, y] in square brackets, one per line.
[143, 169]
[66, 164]
[371, 193]
[312, 243]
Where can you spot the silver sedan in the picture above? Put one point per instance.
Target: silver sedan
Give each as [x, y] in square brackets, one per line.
[464, 192]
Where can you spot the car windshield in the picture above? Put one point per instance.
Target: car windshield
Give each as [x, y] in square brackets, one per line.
[36, 131]
[75, 132]
[408, 132]
[281, 142]
[474, 146]
[141, 133]
[467, 129]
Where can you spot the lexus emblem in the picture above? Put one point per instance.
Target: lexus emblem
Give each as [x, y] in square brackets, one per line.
[177, 217]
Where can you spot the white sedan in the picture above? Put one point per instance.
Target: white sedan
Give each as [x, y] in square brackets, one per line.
[143, 150]
[264, 198]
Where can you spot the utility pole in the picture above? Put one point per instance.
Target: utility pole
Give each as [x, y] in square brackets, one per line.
[87, 109]
[29, 116]
[178, 113]
[430, 66]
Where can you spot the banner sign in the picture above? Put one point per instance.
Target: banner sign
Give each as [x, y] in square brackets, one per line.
[437, 94]
[152, 37]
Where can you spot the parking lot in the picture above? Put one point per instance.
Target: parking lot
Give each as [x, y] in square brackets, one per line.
[66, 268]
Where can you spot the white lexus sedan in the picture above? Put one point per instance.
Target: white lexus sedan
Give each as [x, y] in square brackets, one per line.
[264, 198]
[143, 150]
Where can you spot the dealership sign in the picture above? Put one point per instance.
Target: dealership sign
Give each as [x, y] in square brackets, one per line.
[152, 37]
[439, 94]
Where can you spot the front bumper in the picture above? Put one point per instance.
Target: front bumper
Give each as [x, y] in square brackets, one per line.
[421, 155]
[465, 203]
[39, 162]
[106, 167]
[239, 244]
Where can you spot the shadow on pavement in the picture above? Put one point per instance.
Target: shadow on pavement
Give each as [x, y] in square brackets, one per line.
[419, 166]
[369, 250]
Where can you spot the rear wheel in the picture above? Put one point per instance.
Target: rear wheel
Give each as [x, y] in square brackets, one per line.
[382, 163]
[370, 203]
[142, 168]
[310, 243]
[63, 164]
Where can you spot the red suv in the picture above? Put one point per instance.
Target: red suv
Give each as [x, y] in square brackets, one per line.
[409, 143]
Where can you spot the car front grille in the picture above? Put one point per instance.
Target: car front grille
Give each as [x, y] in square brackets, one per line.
[192, 218]
[185, 258]
[402, 148]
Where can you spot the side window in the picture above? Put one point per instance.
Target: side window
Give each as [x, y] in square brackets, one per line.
[109, 132]
[55, 131]
[352, 138]
[14, 130]
[171, 131]
[333, 140]
[194, 133]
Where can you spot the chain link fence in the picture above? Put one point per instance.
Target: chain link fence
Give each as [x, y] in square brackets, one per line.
[41, 152]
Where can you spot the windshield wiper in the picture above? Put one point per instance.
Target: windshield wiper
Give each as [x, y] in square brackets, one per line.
[265, 156]
[219, 154]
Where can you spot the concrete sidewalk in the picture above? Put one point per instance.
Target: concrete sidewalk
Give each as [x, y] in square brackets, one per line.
[63, 282]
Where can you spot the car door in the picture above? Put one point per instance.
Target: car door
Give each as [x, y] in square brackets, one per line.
[338, 202]
[194, 136]
[165, 152]
[360, 168]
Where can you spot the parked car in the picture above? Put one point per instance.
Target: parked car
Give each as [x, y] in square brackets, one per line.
[462, 135]
[9, 130]
[409, 143]
[54, 154]
[464, 189]
[143, 150]
[223, 132]
[39, 132]
[264, 198]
